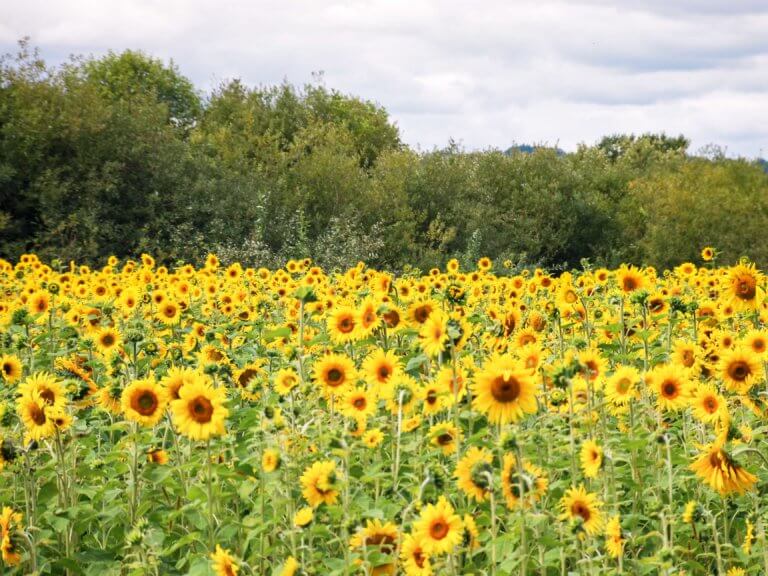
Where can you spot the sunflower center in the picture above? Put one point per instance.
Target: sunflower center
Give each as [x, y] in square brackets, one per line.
[48, 395]
[438, 529]
[37, 414]
[359, 403]
[745, 288]
[421, 314]
[622, 386]
[629, 284]
[580, 510]
[201, 409]
[384, 372]
[245, 378]
[738, 370]
[346, 325]
[418, 558]
[670, 389]
[145, 403]
[505, 389]
[444, 439]
[107, 340]
[710, 405]
[335, 376]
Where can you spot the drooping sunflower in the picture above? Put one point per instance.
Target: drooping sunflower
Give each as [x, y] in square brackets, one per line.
[303, 517]
[591, 457]
[415, 560]
[144, 401]
[199, 412]
[720, 471]
[438, 528]
[672, 386]
[474, 473]
[10, 523]
[504, 391]
[320, 483]
[583, 507]
[740, 368]
[335, 373]
[10, 368]
[367, 318]
[528, 486]
[157, 456]
[224, 563]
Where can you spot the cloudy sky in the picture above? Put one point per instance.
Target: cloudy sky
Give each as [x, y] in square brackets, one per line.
[485, 73]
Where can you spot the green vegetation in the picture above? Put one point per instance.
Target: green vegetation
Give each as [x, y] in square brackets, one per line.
[121, 155]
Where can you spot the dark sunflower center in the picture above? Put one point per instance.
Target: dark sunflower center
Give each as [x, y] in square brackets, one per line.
[670, 389]
[335, 376]
[745, 288]
[629, 284]
[107, 340]
[444, 439]
[422, 313]
[580, 510]
[738, 370]
[438, 529]
[245, 378]
[622, 386]
[201, 409]
[145, 403]
[37, 414]
[710, 404]
[384, 372]
[346, 325]
[359, 403]
[505, 389]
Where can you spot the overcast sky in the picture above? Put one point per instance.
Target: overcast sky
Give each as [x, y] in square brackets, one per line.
[486, 73]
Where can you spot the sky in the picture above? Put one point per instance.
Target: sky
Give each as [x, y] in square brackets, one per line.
[485, 73]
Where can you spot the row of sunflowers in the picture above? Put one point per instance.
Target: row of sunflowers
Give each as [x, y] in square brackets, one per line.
[230, 420]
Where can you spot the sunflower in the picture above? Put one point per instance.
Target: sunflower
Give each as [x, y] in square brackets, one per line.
[157, 456]
[286, 380]
[335, 373]
[718, 469]
[290, 567]
[630, 279]
[690, 512]
[474, 473]
[744, 289]
[445, 435]
[452, 384]
[757, 341]
[107, 340]
[367, 318]
[224, 563]
[39, 302]
[504, 391]
[10, 368]
[10, 522]
[372, 438]
[684, 354]
[36, 415]
[621, 387]
[377, 537]
[591, 457]
[357, 403]
[707, 253]
[144, 402]
[379, 368]
[319, 483]
[199, 412]
[175, 379]
[168, 312]
[438, 528]
[342, 324]
[433, 334]
[270, 460]
[47, 386]
[740, 368]
[708, 405]
[303, 517]
[671, 385]
[415, 560]
[614, 540]
[533, 482]
[246, 378]
[419, 311]
[584, 508]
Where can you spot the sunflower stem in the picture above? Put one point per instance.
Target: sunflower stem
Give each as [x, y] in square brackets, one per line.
[211, 526]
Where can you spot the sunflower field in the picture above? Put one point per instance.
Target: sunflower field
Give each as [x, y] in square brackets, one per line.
[229, 420]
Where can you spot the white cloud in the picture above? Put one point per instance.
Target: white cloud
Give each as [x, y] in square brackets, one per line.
[484, 73]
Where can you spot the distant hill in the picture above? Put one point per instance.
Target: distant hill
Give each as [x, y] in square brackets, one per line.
[763, 163]
[529, 149]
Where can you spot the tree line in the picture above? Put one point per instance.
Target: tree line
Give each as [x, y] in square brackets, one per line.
[122, 154]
